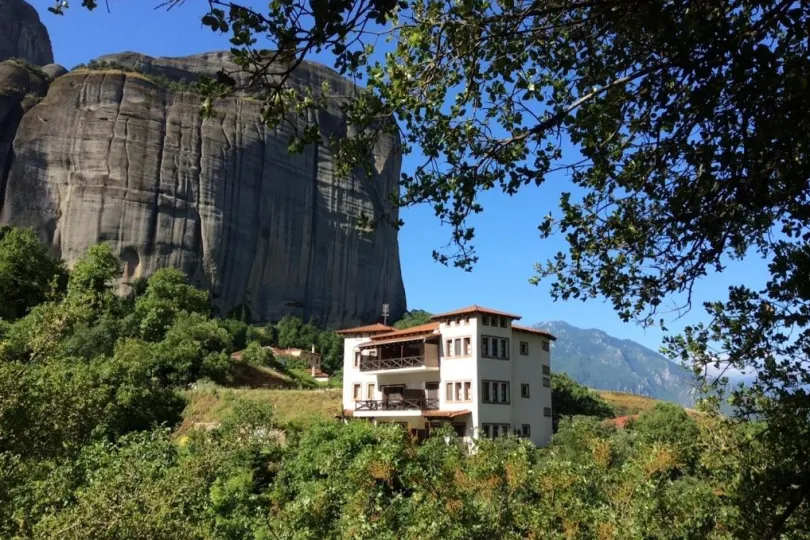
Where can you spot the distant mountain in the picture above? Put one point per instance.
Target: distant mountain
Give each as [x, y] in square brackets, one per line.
[600, 361]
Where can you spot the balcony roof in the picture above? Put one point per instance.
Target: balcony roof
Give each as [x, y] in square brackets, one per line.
[445, 414]
[375, 328]
[537, 331]
[474, 309]
[404, 338]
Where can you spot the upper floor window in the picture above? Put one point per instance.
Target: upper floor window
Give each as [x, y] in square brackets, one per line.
[545, 345]
[461, 346]
[503, 322]
[356, 392]
[546, 370]
[458, 391]
[485, 320]
[524, 348]
[524, 390]
[356, 359]
[495, 392]
[547, 382]
[493, 347]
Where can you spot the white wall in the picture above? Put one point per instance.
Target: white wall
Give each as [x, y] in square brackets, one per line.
[460, 368]
[352, 375]
[529, 369]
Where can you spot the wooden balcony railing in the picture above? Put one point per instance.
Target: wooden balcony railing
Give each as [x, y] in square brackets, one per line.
[405, 404]
[372, 363]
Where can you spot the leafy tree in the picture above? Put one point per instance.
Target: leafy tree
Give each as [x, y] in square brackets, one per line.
[265, 335]
[167, 295]
[258, 355]
[414, 317]
[195, 347]
[668, 423]
[29, 275]
[238, 331]
[289, 331]
[569, 398]
[330, 346]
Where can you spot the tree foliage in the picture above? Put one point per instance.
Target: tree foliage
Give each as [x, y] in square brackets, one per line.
[415, 317]
[28, 273]
[569, 398]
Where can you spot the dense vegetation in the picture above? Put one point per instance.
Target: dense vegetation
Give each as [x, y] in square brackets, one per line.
[93, 387]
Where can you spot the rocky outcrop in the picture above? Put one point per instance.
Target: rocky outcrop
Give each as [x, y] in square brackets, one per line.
[22, 34]
[109, 155]
[21, 87]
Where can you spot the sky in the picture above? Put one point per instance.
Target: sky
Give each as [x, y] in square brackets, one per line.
[508, 242]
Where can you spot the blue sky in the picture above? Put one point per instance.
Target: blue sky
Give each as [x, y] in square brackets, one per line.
[507, 239]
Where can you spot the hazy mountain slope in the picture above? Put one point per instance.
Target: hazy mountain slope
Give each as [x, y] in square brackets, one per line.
[598, 360]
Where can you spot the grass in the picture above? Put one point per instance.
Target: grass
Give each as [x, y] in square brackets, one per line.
[208, 404]
[627, 404]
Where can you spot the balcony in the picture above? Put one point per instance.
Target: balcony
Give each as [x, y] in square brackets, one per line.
[374, 363]
[402, 404]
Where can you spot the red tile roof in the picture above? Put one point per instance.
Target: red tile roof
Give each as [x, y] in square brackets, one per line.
[445, 414]
[537, 331]
[419, 329]
[474, 309]
[367, 329]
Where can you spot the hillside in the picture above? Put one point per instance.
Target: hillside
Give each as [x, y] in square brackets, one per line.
[601, 361]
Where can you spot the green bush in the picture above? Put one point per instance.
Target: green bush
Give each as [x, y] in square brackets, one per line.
[258, 355]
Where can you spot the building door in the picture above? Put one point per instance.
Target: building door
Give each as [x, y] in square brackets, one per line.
[432, 392]
[392, 392]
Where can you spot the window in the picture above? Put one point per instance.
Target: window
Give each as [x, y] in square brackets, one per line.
[547, 412]
[458, 391]
[495, 392]
[370, 390]
[356, 392]
[546, 370]
[492, 347]
[485, 320]
[547, 382]
[457, 347]
[525, 430]
[495, 430]
[545, 345]
[524, 348]
[524, 390]
[503, 322]
[356, 359]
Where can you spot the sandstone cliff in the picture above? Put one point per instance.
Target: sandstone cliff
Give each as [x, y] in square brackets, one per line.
[22, 35]
[109, 155]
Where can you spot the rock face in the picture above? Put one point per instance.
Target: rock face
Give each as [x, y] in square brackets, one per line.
[109, 155]
[22, 34]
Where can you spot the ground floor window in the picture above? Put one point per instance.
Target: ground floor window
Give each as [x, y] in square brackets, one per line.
[525, 430]
[495, 430]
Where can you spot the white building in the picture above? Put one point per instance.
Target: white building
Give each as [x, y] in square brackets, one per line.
[472, 368]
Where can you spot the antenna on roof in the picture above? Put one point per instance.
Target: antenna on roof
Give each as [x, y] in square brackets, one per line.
[385, 313]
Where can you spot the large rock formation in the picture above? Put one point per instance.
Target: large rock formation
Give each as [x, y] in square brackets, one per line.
[22, 35]
[109, 155]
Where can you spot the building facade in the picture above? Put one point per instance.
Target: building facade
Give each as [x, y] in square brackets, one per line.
[472, 368]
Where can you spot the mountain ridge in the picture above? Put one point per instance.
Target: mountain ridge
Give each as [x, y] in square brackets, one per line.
[598, 360]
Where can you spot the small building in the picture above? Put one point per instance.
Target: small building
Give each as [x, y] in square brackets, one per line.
[471, 368]
[312, 359]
